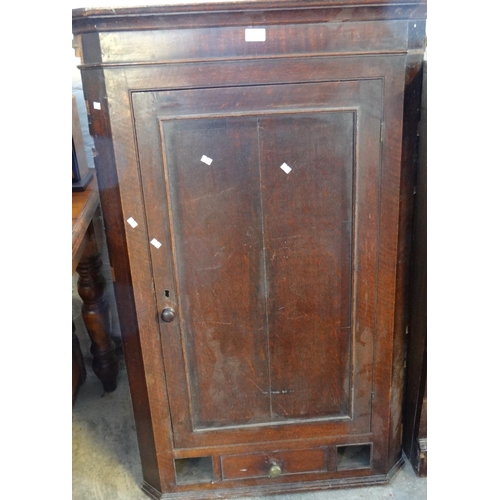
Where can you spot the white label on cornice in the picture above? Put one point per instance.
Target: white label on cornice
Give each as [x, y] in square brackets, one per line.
[255, 34]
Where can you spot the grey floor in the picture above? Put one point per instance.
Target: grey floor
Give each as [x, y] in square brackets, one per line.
[106, 459]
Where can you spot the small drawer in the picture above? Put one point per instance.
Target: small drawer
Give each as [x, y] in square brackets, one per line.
[273, 464]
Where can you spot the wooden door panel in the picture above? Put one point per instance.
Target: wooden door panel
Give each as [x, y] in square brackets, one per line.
[307, 217]
[216, 217]
[270, 335]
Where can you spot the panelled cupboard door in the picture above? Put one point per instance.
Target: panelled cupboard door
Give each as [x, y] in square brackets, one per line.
[253, 194]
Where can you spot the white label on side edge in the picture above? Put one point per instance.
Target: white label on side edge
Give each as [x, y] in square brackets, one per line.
[286, 168]
[155, 243]
[206, 159]
[255, 34]
[97, 105]
[132, 222]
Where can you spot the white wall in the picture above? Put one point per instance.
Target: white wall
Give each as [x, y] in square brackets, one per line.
[77, 90]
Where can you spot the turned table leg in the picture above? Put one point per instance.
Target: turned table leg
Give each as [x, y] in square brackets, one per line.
[79, 372]
[96, 314]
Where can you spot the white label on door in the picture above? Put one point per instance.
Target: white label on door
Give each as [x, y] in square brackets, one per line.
[206, 159]
[97, 105]
[155, 243]
[132, 222]
[255, 34]
[286, 168]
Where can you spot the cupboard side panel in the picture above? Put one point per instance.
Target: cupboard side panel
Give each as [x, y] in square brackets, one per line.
[112, 196]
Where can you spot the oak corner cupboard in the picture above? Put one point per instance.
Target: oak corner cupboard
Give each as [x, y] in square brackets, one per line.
[255, 162]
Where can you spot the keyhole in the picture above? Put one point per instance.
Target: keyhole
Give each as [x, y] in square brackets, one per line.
[167, 293]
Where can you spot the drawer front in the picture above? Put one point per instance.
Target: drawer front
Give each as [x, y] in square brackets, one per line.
[282, 462]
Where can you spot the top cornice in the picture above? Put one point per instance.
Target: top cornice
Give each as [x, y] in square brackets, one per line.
[186, 13]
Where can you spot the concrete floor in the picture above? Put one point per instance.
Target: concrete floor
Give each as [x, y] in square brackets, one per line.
[106, 464]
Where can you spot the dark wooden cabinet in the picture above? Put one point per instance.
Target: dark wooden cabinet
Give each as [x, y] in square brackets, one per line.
[255, 163]
[415, 404]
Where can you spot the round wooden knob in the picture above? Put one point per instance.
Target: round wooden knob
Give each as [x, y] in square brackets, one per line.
[168, 314]
[274, 470]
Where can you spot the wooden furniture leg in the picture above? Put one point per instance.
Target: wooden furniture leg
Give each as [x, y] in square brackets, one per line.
[79, 372]
[96, 315]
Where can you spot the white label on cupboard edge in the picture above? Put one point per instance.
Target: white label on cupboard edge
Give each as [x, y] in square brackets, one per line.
[286, 168]
[206, 159]
[132, 222]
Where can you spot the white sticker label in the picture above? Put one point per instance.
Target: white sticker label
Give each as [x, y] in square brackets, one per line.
[286, 168]
[155, 243]
[132, 222]
[255, 34]
[97, 105]
[206, 159]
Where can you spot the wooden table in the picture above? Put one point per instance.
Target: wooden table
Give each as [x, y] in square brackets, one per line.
[91, 286]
